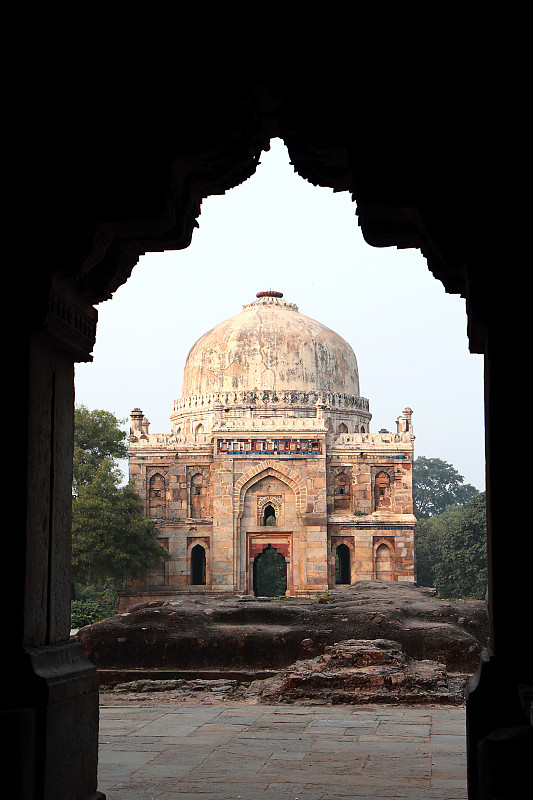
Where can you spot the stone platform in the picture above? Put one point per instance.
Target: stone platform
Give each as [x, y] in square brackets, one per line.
[239, 633]
[238, 751]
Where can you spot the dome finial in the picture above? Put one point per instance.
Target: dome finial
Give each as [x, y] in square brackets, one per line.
[269, 293]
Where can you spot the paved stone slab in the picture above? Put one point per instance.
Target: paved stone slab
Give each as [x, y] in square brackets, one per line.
[238, 752]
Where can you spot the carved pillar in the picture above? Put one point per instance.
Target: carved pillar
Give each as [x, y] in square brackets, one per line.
[51, 719]
[499, 733]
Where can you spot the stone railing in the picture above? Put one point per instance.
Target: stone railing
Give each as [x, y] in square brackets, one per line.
[261, 398]
[361, 439]
[269, 424]
[172, 441]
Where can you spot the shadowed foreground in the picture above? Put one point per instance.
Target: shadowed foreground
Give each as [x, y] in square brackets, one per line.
[230, 751]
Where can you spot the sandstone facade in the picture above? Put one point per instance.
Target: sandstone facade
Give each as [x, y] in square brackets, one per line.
[270, 446]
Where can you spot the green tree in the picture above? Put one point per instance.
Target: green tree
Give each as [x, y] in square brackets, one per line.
[93, 603]
[438, 485]
[112, 540]
[429, 533]
[111, 537]
[426, 550]
[451, 550]
[462, 568]
[97, 436]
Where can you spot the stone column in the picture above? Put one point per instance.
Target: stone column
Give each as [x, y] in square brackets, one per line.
[51, 718]
[223, 545]
[500, 740]
[314, 537]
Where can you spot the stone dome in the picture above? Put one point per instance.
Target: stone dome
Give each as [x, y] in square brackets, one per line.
[270, 345]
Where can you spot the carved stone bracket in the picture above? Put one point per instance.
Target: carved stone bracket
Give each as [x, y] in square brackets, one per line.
[70, 322]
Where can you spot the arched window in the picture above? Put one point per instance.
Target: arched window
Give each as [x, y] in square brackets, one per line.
[384, 563]
[342, 487]
[343, 572]
[269, 515]
[198, 497]
[382, 491]
[199, 429]
[343, 428]
[198, 565]
[157, 486]
[156, 495]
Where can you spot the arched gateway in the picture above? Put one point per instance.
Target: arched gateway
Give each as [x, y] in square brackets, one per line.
[107, 204]
[269, 573]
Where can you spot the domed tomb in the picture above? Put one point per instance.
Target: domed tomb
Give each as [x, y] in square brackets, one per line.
[270, 455]
[270, 345]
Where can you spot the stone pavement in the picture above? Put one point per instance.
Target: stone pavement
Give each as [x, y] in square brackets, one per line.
[232, 751]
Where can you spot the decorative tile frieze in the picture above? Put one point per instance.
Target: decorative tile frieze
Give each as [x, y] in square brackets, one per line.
[269, 447]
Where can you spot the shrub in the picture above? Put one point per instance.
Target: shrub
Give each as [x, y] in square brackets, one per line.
[85, 612]
[93, 603]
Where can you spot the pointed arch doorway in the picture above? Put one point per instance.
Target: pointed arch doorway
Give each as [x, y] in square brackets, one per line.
[269, 573]
[198, 566]
[343, 570]
[269, 562]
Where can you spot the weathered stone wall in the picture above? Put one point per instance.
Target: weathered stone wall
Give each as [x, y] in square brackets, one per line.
[355, 489]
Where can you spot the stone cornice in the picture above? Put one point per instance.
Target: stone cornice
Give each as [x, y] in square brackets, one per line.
[269, 426]
[378, 519]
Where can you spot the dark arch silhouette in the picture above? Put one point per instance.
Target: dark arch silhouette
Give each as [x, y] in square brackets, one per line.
[269, 573]
[198, 565]
[418, 191]
[343, 572]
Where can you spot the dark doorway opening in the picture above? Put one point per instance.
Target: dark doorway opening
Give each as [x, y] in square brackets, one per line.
[270, 573]
[198, 565]
[342, 564]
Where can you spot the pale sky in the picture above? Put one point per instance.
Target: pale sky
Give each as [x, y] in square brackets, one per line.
[276, 231]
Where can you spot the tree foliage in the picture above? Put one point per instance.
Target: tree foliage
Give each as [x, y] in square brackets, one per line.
[438, 485]
[111, 537]
[451, 550]
[93, 603]
[97, 436]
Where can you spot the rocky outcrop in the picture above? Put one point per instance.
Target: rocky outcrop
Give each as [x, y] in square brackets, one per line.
[362, 671]
[248, 633]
